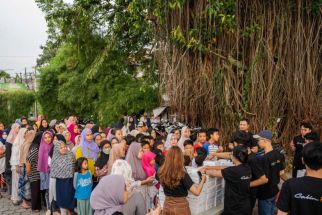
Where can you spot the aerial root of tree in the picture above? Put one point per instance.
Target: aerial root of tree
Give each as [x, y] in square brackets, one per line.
[273, 72]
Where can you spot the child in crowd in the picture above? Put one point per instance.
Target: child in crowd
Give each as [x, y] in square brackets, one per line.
[145, 146]
[83, 187]
[148, 161]
[200, 157]
[188, 148]
[212, 146]
[201, 140]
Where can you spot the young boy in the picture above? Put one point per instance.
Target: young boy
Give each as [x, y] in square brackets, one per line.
[202, 138]
[304, 195]
[188, 148]
[212, 146]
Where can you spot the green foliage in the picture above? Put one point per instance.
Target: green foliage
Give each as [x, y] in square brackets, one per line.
[15, 104]
[4, 75]
[99, 48]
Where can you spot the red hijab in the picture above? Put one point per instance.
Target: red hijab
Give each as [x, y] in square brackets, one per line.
[71, 128]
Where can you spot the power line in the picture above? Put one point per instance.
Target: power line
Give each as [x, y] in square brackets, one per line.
[17, 56]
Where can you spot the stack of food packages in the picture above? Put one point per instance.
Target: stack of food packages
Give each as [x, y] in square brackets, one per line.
[212, 194]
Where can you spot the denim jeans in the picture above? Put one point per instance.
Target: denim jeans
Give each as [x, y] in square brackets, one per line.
[266, 206]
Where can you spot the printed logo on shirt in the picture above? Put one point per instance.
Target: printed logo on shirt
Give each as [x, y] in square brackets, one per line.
[245, 177]
[306, 197]
[84, 182]
[299, 143]
[276, 162]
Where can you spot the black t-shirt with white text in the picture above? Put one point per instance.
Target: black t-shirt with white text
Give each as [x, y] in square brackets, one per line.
[237, 189]
[272, 163]
[257, 172]
[301, 196]
[182, 189]
[298, 142]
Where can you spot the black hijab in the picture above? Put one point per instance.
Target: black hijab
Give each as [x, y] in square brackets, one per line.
[103, 158]
[42, 128]
[95, 129]
[36, 142]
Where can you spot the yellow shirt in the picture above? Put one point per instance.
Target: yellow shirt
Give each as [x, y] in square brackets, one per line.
[90, 161]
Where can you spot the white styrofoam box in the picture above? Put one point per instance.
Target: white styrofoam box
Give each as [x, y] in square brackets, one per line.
[196, 210]
[161, 196]
[221, 162]
[219, 200]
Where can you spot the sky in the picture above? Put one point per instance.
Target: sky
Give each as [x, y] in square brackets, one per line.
[22, 32]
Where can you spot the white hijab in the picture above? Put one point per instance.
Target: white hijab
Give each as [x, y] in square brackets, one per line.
[182, 138]
[16, 145]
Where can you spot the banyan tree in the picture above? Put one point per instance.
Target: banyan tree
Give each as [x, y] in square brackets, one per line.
[221, 60]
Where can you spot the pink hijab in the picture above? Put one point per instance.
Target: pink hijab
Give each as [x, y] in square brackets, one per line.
[13, 133]
[71, 128]
[44, 149]
[147, 167]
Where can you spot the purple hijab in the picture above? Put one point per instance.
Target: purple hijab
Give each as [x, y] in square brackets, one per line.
[44, 149]
[108, 196]
[89, 149]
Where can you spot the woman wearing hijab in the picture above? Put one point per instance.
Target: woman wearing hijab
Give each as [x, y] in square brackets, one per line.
[134, 204]
[171, 141]
[138, 173]
[185, 135]
[43, 125]
[101, 167]
[97, 139]
[24, 185]
[88, 149]
[69, 143]
[62, 169]
[117, 152]
[109, 196]
[33, 173]
[77, 144]
[133, 159]
[10, 139]
[73, 130]
[14, 161]
[46, 145]
[95, 129]
[52, 181]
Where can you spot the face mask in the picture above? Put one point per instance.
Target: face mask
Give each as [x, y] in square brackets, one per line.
[106, 151]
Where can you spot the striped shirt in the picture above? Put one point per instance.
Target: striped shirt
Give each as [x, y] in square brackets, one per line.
[212, 148]
[32, 158]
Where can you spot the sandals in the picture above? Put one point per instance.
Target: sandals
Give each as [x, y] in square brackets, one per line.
[25, 206]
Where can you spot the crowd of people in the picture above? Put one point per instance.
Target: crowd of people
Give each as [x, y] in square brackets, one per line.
[66, 167]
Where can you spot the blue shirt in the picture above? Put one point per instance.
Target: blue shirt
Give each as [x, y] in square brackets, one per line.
[83, 186]
[213, 147]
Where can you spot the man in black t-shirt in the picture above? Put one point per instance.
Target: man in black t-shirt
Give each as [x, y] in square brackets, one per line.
[297, 146]
[258, 177]
[244, 127]
[304, 195]
[273, 165]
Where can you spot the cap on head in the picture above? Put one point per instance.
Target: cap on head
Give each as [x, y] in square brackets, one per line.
[265, 134]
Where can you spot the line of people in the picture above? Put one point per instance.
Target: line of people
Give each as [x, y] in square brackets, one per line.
[67, 168]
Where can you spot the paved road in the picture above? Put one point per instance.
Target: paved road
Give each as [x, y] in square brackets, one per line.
[6, 208]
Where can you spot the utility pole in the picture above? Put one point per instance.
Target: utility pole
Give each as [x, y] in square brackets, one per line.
[35, 88]
[25, 75]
